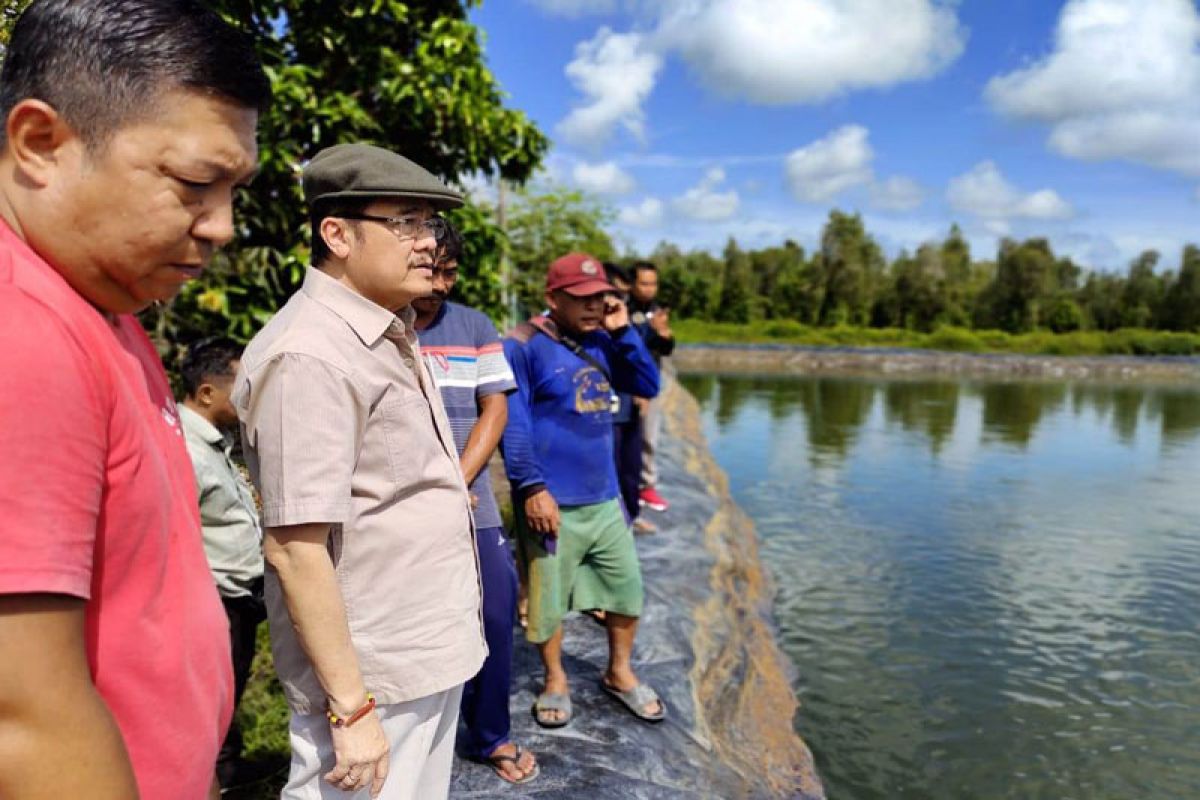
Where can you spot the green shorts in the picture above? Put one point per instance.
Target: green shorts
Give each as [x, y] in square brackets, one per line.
[595, 566]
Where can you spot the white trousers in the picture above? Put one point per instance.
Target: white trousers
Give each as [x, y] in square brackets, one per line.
[421, 735]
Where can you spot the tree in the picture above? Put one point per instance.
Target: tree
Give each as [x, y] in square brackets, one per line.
[1024, 283]
[1181, 306]
[548, 223]
[739, 302]
[1143, 292]
[409, 76]
[10, 10]
[851, 263]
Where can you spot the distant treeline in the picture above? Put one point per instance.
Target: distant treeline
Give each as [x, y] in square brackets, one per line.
[849, 282]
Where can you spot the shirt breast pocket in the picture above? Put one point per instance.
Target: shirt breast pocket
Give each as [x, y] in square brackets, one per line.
[412, 445]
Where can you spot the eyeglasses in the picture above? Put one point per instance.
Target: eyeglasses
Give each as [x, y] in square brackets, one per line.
[406, 227]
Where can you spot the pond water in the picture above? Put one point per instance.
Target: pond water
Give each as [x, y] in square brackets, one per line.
[988, 589]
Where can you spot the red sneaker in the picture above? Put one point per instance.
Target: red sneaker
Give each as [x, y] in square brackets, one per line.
[652, 499]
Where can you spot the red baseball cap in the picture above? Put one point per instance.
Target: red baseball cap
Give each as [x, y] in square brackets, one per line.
[578, 274]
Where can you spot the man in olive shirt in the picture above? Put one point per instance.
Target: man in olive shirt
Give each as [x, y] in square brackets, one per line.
[373, 588]
[229, 521]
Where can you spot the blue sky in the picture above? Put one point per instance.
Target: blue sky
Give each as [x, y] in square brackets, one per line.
[695, 120]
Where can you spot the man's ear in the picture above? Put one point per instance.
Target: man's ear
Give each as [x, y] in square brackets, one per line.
[551, 301]
[338, 236]
[205, 394]
[36, 135]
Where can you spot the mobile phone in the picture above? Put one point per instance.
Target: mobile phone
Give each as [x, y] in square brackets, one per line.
[550, 543]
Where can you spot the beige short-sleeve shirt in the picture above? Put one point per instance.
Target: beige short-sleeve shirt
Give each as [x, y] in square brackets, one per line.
[342, 424]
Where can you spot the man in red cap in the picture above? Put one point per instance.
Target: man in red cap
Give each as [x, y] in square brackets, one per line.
[572, 534]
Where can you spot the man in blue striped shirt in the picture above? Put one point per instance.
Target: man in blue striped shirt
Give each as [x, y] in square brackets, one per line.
[464, 355]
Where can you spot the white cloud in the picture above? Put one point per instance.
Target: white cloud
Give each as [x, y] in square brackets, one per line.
[1123, 82]
[605, 178]
[897, 194]
[842, 160]
[646, 214]
[704, 203]
[576, 8]
[985, 193]
[616, 73]
[804, 51]
[818, 171]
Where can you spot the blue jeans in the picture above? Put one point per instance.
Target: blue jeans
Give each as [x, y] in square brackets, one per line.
[485, 697]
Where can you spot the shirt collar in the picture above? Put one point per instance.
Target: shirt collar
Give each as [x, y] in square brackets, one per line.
[367, 319]
[199, 426]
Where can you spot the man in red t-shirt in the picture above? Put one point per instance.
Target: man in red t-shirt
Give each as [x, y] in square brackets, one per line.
[128, 125]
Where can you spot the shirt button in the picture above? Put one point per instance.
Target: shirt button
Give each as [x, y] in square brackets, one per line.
[408, 362]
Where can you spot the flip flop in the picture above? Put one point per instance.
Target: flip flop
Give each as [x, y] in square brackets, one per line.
[552, 701]
[495, 762]
[636, 699]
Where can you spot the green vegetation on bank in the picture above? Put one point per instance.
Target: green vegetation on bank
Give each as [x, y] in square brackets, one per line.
[938, 294]
[1125, 341]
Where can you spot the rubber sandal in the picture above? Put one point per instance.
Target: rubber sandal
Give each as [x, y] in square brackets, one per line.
[637, 698]
[494, 761]
[552, 701]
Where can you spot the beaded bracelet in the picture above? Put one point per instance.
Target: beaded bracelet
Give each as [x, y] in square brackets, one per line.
[346, 722]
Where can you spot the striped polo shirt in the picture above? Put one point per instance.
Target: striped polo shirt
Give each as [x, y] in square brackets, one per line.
[463, 352]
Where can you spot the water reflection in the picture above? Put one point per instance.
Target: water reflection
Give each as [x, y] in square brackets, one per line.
[924, 408]
[988, 589]
[835, 408]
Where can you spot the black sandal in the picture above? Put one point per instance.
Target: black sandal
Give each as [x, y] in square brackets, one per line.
[496, 762]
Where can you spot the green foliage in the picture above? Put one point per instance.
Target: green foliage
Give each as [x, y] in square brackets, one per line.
[549, 223]
[1127, 341]
[955, 339]
[484, 244]
[10, 10]
[1064, 315]
[940, 291]
[409, 76]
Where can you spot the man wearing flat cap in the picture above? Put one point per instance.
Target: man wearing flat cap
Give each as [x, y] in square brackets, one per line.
[373, 588]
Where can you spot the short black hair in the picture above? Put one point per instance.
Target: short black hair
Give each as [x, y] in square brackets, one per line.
[208, 359]
[103, 63]
[450, 248]
[642, 266]
[612, 271]
[332, 208]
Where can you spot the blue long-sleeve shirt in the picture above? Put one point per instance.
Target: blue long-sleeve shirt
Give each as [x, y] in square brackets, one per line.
[559, 430]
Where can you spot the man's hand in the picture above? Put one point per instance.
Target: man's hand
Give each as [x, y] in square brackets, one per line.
[361, 751]
[642, 404]
[474, 501]
[616, 313]
[541, 512]
[660, 322]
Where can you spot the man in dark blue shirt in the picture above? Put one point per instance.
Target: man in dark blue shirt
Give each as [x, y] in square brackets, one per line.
[653, 322]
[558, 449]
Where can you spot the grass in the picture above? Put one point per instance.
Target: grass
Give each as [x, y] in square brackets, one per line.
[1126, 342]
[263, 714]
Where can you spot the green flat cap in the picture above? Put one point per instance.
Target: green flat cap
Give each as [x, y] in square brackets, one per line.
[366, 172]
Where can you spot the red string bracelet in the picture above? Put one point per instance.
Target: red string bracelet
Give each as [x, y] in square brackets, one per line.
[346, 722]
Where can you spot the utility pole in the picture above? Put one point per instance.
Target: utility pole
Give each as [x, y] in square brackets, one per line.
[506, 273]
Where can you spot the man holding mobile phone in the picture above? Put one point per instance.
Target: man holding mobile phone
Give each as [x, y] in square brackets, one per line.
[558, 448]
[653, 322]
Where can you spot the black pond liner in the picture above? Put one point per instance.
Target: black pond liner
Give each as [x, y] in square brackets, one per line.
[736, 745]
